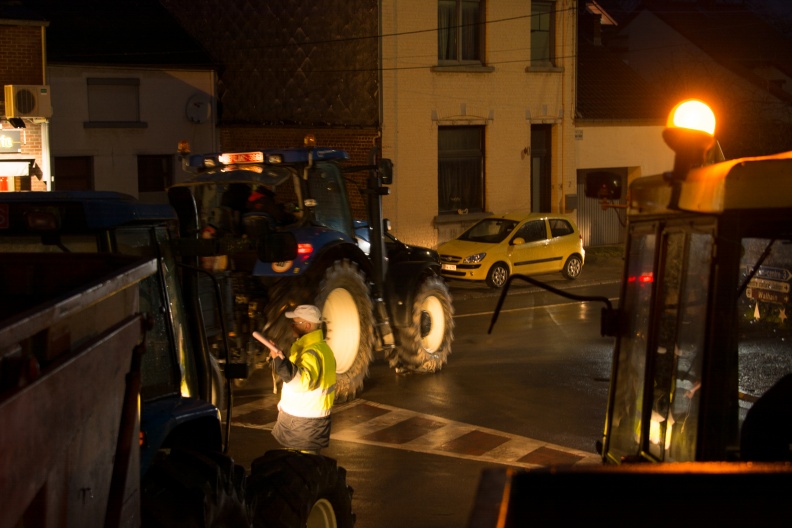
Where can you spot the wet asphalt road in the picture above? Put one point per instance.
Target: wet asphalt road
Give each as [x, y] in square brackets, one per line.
[532, 392]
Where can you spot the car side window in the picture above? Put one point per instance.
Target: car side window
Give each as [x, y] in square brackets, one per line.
[532, 231]
[560, 227]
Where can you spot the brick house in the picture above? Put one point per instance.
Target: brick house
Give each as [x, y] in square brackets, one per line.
[24, 131]
[126, 84]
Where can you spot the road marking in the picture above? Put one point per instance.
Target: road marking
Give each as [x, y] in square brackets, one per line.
[370, 423]
[508, 310]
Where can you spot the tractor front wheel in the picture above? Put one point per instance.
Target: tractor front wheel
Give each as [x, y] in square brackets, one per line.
[426, 343]
[289, 488]
[196, 489]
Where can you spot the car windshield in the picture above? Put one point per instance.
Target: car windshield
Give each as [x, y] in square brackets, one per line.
[492, 230]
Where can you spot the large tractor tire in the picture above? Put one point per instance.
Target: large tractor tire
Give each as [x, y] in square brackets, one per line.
[288, 489]
[191, 489]
[344, 299]
[426, 343]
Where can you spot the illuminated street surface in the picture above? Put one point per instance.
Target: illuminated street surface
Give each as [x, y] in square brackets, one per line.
[533, 392]
[371, 423]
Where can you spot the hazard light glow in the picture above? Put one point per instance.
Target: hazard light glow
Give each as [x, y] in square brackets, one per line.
[693, 115]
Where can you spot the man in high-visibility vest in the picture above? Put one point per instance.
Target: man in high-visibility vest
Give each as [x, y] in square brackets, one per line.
[309, 380]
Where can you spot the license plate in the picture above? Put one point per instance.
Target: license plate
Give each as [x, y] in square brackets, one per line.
[449, 267]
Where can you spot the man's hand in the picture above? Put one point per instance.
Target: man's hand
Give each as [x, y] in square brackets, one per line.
[273, 350]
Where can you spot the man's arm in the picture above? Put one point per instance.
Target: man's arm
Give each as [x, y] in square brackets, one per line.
[309, 370]
[285, 369]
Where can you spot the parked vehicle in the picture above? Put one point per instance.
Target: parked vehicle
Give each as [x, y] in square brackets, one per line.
[698, 426]
[54, 242]
[525, 243]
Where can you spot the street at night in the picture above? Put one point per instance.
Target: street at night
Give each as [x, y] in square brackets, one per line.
[531, 393]
[225, 222]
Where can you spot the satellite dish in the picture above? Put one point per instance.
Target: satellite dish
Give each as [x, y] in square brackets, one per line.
[199, 108]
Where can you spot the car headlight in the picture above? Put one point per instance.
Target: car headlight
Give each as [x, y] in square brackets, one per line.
[474, 259]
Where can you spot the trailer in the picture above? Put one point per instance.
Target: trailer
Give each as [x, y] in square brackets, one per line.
[71, 338]
[183, 392]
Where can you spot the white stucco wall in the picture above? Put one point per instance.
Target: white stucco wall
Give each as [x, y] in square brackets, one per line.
[638, 148]
[163, 101]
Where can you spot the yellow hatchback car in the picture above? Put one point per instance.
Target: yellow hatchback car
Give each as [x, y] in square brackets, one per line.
[524, 243]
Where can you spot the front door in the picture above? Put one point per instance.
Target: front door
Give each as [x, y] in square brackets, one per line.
[534, 253]
[540, 168]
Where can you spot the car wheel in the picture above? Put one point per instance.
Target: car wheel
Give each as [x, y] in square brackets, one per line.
[497, 276]
[572, 267]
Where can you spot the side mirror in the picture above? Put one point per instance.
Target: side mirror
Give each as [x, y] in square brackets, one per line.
[385, 168]
[276, 247]
[517, 241]
[603, 185]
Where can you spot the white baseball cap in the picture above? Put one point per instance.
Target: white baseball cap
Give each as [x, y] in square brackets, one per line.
[307, 312]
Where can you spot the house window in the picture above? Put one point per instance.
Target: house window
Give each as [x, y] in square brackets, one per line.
[460, 170]
[459, 31]
[155, 173]
[72, 173]
[542, 33]
[113, 102]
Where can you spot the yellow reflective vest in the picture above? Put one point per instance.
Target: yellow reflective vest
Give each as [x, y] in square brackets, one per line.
[310, 394]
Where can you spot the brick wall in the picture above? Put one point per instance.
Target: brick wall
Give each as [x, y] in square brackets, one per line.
[21, 59]
[357, 142]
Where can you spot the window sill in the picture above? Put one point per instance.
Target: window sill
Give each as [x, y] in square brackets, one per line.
[456, 218]
[462, 68]
[544, 69]
[115, 124]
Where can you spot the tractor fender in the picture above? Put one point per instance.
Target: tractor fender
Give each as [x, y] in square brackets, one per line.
[179, 422]
[340, 250]
[326, 245]
[401, 284]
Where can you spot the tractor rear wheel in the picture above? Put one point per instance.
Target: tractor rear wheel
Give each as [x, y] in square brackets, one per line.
[185, 488]
[426, 343]
[343, 297]
[344, 300]
[288, 488]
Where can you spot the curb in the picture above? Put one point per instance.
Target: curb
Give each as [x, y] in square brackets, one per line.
[604, 269]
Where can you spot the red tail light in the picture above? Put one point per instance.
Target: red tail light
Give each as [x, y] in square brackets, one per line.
[304, 249]
[645, 278]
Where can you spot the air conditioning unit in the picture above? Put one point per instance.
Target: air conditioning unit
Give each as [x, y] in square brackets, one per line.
[27, 100]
